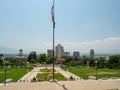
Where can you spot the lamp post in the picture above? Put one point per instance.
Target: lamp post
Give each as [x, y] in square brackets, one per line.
[5, 70]
[5, 76]
[96, 69]
[25, 65]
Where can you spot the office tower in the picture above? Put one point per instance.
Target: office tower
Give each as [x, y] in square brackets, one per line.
[67, 54]
[59, 51]
[49, 52]
[76, 55]
[92, 53]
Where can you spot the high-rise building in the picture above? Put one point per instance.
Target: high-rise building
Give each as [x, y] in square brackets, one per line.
[59, 51]
[49, 52]
[92, 53]
[66, 53]
[76, 55]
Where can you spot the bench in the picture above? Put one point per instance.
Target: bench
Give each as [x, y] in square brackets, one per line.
[92, 77]
[8, 80]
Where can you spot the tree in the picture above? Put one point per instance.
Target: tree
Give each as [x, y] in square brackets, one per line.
[101, 62]
[32, 61]
[91, 62]
[49, 59]
[32, 56]
[1, 55]
[42, 58]
[12, 61]
[68, 59]
[1, 62]
[114, 62]
[84, 60]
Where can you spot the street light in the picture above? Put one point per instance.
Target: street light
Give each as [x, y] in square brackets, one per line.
[5, 70]
[96, 69]
[25, 65]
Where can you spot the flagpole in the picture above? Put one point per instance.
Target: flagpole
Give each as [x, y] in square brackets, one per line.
[53, 51]
[53, 47]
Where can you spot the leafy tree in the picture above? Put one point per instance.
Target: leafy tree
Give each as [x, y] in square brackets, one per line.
[42, 58]
[91, 62]
[1, 62]
[114, 62]
[49, 59]
[32, 61]
[1, 55]
[84, 60]
[12, 61]
[68, 59]
[32, 56]
[101, 62]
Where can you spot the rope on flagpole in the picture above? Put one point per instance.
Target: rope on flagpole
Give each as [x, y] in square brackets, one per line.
[53, 44]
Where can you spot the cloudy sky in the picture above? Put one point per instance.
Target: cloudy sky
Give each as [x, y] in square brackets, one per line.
[81, 25]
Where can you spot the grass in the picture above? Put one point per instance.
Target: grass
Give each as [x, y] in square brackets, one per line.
[101, 73]
[46, 75]
[47, 70]
[14, 73]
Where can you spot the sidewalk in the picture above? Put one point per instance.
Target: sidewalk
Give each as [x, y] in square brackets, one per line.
[29, 76]
[66, 85]
[67, 74]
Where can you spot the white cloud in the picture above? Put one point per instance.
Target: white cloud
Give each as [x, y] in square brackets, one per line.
[107, 45]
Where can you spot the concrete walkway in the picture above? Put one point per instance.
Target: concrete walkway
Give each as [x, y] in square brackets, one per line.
[67, 74]
[66, 85]
[29, 76]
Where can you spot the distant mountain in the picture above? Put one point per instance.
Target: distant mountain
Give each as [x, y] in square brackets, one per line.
[6, 50]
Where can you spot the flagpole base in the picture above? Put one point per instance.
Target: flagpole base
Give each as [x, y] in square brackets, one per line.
[53, 80]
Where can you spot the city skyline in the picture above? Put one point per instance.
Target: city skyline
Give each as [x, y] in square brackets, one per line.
[81, 25]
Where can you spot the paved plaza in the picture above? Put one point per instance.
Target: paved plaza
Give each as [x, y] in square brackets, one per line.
[65, 85]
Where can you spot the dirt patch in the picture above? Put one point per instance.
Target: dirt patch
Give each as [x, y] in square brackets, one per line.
[100, 73]
[106, 72]
[1, 72]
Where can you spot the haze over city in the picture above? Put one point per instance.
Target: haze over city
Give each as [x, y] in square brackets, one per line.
[81, 25]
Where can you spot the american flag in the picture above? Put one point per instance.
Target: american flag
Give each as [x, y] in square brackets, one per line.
[52, 13]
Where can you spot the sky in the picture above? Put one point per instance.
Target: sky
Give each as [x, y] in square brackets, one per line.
[81, 25]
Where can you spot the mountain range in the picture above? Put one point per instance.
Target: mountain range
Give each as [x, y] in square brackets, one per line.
[6, 50]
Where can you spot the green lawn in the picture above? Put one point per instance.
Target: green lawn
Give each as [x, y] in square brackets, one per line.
[102, 73]
[14, 73]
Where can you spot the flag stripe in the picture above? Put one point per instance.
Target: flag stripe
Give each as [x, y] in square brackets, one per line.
[52, 13]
